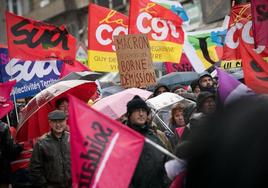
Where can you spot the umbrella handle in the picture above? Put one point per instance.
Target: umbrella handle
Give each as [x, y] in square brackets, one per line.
[162, 122]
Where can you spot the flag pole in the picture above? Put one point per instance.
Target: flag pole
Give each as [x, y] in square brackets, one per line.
[233, 3]
[8, 121]
[160, 148]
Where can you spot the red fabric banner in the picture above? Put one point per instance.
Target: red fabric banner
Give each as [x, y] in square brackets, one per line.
[34, 40]
[104, 152]
[72, 66]
[184, 65]
[260, 21]
[103, 24]
[240, 22]
[158, 22]
[6, 105]
[255, 69]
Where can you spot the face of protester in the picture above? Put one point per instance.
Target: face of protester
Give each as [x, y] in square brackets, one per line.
[161, 90]
[206, 82]
[58, 126]
[179, 118]
[209, 106]
[64, 107]
[138, 116]
[197, 90]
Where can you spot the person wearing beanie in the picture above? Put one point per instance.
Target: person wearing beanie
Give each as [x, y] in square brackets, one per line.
[206, 103]
[205, 107]
[150, 172]
[206, 83]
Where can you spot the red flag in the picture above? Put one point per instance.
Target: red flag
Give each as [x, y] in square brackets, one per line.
[152, 26]
[260, 21]
[6, 105]
[35, 40]
[162, 26]
[104, 152]
[72, 66]
[255, 69]
[103, 24]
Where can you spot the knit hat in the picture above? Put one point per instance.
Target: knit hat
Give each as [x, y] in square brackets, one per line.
[201, 99]
[136, 103]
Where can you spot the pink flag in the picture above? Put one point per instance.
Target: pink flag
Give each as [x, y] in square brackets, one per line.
[104, 152]
[6, 105]
[260, 21]
[72, 66]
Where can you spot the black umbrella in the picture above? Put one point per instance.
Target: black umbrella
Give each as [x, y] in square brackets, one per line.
[178, 78]
[85, 75]
[107, 91]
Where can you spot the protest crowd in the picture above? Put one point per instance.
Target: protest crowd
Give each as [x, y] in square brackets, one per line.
[63, 125]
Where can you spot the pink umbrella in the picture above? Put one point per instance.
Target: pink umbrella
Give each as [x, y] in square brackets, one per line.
[34, 122]
[116, 105]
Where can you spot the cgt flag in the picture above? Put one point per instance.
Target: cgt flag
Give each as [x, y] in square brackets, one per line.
[6, 105]
[35, 40]
[103, 25]
[104, 152]
[162, 27]
[255, 69]
[259, 10]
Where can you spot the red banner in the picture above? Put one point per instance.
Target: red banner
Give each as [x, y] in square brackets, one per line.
[72, 66]
[35, 40]
[255, 69]
[240, 21]
[6, 105]
[162, 26]
[104, 152]
[183, 66]
[158, 22]
[260, 21]
[103, 24]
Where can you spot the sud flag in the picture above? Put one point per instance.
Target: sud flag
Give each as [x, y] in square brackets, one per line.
[230, 88]
[259, 10]
[34, 40]
[162, 26]
[6, 105]
[255, 69]
[104, 152]
[103, 24]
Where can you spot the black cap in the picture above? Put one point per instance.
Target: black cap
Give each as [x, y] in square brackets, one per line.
[136, 103]
[56, 115]
[201, 99]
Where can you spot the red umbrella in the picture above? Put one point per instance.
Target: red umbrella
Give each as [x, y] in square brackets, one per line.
[34, 122]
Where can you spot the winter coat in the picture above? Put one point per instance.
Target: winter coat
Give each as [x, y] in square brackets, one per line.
[8, 152]
[150, 172]
[50, 164]
[177, 138]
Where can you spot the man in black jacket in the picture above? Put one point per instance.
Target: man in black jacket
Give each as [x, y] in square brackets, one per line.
[150, 171]
[8, 152]
[50, 163]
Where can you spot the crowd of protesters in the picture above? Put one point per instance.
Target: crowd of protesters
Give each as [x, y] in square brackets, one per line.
[217, 146]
